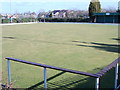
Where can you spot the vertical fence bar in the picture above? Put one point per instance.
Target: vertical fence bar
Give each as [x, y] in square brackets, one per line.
[9, 73]
[116, 76]
[45, 79]
[97, 83]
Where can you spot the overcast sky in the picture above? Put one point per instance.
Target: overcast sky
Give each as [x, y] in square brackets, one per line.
[12, 6]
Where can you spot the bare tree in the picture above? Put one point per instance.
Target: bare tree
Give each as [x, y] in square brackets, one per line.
[41, 13]
[77, 13]
[109, 9]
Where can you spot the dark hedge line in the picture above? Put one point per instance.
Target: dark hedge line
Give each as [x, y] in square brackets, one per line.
[45, 20]
[63, 20]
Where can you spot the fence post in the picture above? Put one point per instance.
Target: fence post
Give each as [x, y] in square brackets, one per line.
[97, 83]
[9, 73]
[116, 76]
[45, 79]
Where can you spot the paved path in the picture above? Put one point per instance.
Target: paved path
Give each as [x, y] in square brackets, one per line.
[17, 23]
[59, 22]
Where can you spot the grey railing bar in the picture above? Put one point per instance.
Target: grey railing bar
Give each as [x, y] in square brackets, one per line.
[53, 67]
[116, 76]
[45, 79]
[97, 83]
[9, 72]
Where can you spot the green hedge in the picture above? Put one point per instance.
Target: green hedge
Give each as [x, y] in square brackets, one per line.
[63, 20]
[46, 20]
[28, 20]
[19, 20]
[5, 20]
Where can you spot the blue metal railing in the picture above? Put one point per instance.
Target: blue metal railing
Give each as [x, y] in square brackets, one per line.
[97, 75]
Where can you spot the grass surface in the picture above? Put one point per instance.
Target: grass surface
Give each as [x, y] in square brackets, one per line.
[82, 47]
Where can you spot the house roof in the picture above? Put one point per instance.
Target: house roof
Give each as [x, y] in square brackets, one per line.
[55, 11]
[112, 13]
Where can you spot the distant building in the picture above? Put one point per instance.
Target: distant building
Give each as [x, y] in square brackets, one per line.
[59, 13]
[106, 17]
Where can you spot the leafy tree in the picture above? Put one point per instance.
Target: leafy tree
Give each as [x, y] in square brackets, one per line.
[94, 7]
[50, 14]
[0, 16]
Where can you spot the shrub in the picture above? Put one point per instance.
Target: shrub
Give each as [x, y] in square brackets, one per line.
[5, 20]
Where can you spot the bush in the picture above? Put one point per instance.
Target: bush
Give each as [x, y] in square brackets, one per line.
[5, 20]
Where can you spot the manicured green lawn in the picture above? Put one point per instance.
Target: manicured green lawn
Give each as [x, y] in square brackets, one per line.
[82, 47]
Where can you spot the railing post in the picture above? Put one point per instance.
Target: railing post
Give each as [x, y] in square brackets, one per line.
[45, 79]
[9, 72]
[97, 83]
[116, 76]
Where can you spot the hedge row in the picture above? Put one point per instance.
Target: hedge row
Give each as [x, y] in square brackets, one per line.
[5, 21]
[45, 20]
[63, 20]
[19, 20]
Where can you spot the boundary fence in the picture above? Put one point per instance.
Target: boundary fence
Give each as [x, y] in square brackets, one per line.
[97, 76]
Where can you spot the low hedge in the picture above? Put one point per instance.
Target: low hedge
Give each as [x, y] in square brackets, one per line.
[46, 20]
[63, 20]
[17, 20]
[5, 20]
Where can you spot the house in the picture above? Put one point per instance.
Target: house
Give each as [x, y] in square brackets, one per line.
[106, 17]
[59, 13]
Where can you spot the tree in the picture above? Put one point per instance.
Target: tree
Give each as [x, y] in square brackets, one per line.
[50, 14]
[94, 7]
[109, 9]
[0, 16]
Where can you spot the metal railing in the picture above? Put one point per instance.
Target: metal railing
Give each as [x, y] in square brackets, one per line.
[97, 76]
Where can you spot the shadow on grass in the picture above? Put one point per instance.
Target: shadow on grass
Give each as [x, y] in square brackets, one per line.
[106, 81]
[101, 46]
[40, 83]
[118, 39]
[78, 81]
[9, 37]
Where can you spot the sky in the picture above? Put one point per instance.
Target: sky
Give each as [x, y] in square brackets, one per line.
[21, 6]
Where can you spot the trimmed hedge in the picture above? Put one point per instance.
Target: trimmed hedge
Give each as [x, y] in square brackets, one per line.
[46, 20]
[5, 20]
[17, 20]
[63, 20]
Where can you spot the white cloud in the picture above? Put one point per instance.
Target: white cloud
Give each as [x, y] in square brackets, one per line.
[43, 1]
